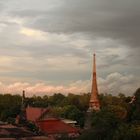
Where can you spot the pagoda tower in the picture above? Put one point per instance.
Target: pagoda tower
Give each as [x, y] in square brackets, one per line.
[94, 103]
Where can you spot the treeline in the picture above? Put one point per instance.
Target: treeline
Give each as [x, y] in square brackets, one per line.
[71, 106]
[9, 106]
[118, 119]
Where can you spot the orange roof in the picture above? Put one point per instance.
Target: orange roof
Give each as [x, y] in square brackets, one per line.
[34, 113]
[55, 126]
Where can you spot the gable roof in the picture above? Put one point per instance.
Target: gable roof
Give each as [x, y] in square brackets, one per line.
[34, 113]
[55, 126]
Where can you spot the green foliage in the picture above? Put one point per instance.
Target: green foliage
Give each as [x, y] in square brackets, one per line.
[118, 119]
[105, 122]
[127, 132]
[69, 112]
[135, 108]
[80, 101]
[37, 101]
[9, 106]
[73, 113]
[122, 132]
[119, 111]
[91, 134]
[33, 127]
[56, 99]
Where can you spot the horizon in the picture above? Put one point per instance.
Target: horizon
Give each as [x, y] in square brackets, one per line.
[47, 47]
[65, 94]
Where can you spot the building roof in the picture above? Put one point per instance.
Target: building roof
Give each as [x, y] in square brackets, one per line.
[34, 113]
[9, 130]
[12, 132]
[55, 126]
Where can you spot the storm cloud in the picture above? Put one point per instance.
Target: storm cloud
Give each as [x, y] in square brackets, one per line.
[109, 18]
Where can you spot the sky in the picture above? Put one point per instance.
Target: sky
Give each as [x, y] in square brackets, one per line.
[46, 46]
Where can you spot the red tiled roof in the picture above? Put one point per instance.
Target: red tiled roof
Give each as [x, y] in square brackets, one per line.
[33, 113]
[55, 126]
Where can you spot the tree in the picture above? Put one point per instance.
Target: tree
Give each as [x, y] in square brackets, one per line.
[73, 113]
[135, 108]
[127, 132]
[9, 106]
[56, 99]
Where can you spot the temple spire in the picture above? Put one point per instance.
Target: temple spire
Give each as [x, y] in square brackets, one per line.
[94, 103]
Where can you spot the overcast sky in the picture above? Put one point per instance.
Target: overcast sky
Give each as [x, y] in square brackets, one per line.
[46, 46]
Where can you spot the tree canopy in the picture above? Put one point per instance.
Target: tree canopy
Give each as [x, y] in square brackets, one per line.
[118, 119]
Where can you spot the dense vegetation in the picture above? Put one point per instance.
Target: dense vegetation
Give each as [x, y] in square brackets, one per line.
[71, 106]
[118, 119]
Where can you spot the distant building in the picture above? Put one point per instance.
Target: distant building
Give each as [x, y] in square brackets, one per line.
[52, 126]
[57, 128]
[94, 103]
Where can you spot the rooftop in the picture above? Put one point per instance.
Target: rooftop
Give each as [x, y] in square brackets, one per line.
[11, 132]
[55, 126]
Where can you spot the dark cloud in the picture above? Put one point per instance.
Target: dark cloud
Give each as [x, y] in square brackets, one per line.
[109, 18]
[29, 13]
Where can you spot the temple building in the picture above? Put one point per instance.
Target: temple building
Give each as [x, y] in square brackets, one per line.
[94, 103]
[47, 123]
